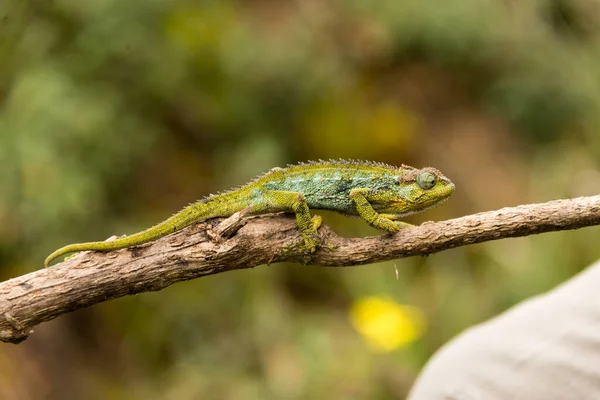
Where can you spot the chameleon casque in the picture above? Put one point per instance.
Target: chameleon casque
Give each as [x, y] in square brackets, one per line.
[378, 193]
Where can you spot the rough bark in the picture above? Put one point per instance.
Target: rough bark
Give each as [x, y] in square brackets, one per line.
[93, 277]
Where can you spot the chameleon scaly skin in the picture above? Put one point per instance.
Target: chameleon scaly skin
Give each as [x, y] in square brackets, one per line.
[378, 193]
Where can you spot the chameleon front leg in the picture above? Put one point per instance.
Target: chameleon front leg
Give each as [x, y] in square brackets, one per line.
[279, 200]
[366, 211]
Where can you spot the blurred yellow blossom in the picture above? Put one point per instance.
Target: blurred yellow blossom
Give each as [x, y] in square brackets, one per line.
[385, 324]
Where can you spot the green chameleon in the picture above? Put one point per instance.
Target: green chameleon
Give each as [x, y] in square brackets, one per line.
[378, 193]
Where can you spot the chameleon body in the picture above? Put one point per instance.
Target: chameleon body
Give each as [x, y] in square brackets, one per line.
[378, 193]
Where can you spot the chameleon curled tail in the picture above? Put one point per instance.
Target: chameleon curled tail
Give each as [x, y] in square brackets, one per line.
[378, 193]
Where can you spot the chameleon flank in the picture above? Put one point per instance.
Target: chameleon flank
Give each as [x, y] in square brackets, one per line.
[378, 193]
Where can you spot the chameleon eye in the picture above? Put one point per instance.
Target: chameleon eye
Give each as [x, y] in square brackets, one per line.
[426, 180]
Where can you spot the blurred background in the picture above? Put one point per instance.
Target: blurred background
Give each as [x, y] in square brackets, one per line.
[115, 114]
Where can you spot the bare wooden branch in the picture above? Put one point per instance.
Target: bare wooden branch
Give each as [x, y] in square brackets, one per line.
[93, 277]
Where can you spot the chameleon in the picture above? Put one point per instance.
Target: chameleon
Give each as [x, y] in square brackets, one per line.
[379, 193]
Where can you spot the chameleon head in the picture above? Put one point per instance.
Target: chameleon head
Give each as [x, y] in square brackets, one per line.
[418, 190]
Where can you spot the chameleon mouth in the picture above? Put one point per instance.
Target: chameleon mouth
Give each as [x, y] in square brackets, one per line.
[427, 207]
[448, 190]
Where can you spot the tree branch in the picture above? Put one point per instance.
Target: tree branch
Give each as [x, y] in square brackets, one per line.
[93, 277]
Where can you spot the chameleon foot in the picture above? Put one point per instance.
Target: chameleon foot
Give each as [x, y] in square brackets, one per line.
[312, 241]
[317, 220]
[394, 219]
[386, 224]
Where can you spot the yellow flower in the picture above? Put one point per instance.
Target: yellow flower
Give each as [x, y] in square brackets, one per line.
[385, 324]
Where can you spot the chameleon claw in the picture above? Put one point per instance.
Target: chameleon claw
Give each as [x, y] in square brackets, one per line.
[317, 220]
[311, 246]
[386, 224]
[312, 241]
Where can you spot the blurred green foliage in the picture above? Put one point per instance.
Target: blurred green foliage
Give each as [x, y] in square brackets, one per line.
[114, 114]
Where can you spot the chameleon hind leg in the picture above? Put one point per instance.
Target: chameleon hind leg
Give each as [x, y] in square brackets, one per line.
[385, 222]
[279, 200]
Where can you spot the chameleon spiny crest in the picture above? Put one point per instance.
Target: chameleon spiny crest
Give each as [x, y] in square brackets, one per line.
[378, 193]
